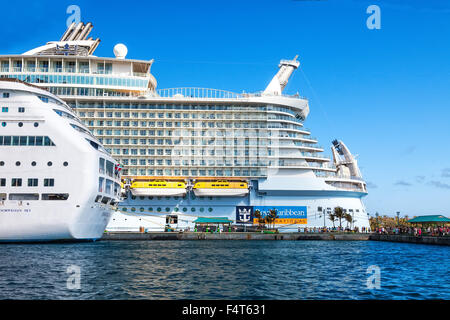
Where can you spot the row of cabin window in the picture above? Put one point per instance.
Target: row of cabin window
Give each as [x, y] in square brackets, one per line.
[20, 124]
[157, 107]
[26, 141]
[43, 99]
[34, 196]
[32, 182]
[19, 109]
[33, 163]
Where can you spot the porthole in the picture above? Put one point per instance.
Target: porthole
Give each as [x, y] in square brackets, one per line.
[193, 209]
[150, 198]
[3, 124]
[65, 164]
[36, 124]
[184, 209]
[202, 209]
[176, 209]
[17, 163]
[142, 197]
[2, 163]
[133, 209]
[168, 198]
[141, 209]
[125, 209]
[49, 163]
[20, 124]
[150, 209]
[167, 209]
[159, 209]
[210, 209]
[33, 163]
[133, 197]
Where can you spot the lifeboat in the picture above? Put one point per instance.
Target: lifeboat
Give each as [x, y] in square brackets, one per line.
[158, 188]
[221, 188]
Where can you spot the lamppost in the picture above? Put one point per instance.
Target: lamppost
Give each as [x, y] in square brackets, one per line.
[324, 223]
[368, 218]
[398, 218]
[376, 215]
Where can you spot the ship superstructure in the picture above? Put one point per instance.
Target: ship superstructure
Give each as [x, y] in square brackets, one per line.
[190, 152]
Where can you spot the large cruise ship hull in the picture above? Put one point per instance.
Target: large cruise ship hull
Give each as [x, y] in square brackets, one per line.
[150, 214]
[38, 223]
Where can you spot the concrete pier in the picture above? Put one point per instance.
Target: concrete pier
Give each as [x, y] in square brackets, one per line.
[336, 236]
[232, 236]
[444, 241]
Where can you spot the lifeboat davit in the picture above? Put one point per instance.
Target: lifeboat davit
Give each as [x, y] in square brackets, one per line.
[158, 188]
[221, 188]
[123, 190]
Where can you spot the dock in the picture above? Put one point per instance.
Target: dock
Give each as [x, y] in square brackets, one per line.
[328, 236]
[441, 240]
[232, 236]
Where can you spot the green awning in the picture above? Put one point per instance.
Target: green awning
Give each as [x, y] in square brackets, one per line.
[213, 220]
[430, 219]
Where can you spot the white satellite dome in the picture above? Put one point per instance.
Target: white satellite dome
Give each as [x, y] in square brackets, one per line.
[120, 51]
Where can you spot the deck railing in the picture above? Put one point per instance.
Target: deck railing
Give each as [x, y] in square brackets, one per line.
[192, 92]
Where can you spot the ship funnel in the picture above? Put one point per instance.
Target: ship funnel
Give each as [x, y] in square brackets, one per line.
[280, 80]
[74, 41]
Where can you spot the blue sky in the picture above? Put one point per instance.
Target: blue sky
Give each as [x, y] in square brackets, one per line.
[385, 92]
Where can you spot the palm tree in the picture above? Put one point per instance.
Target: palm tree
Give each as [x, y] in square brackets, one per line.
[348, 217]
[332, 217]
[340, 214]
[271, 217]
[258, 216]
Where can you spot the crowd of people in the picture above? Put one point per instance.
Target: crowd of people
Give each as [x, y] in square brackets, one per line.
[333, 229]
[416, 231]
[406, 230]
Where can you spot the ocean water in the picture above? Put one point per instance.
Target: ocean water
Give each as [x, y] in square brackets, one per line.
[224, 270]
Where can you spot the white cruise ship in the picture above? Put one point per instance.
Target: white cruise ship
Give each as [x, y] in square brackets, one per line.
[56, 180]
[196, 152]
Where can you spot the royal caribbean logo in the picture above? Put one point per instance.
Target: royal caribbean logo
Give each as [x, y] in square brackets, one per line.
[66, 49]
[288, 212]
[285, 214]
[244, 214]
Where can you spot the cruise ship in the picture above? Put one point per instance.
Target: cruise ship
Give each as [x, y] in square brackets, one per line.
[57, 182]
[197, 152]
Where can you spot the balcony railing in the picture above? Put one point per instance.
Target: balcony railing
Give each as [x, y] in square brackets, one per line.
[191, 92]
[261, 94]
